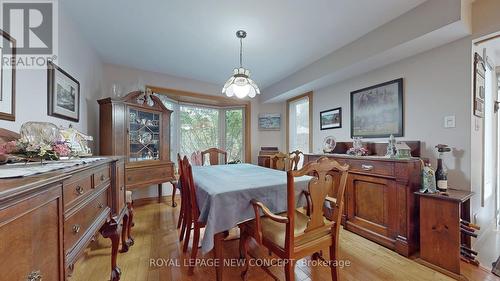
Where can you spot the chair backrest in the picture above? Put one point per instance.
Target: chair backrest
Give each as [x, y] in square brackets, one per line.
[213, 156]
[280, 161]
[188, 186]
[319, 186]
[196, 158]
[295, 159]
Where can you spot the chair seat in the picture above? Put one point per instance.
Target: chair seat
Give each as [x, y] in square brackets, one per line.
[274, 231]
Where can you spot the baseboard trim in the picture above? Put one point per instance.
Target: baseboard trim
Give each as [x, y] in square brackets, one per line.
[154, 200]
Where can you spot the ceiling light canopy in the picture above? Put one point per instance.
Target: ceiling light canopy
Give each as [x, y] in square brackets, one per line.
[240, 84]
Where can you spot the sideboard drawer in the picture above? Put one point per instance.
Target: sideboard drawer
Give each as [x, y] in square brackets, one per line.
[101, 176]
[382, 168]
[76, 225]
[75, 189]
[146, 175]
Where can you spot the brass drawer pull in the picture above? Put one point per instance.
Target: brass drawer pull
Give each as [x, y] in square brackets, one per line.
[100, 205]
[76, 228]
[367, 167]
[79, 190]
[34, 276]
[102, 177]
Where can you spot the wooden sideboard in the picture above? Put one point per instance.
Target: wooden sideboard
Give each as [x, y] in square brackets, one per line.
[380, 203]
[47, 220]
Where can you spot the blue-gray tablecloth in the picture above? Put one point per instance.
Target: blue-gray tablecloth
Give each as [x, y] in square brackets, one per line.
[224, 192]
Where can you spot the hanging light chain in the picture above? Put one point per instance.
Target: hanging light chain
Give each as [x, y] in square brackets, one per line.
[241, 52]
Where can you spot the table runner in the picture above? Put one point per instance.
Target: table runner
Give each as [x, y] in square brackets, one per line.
[224, 193]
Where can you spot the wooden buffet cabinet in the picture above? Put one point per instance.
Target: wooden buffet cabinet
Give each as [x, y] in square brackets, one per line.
[47, 220]
[138, 127]
[380, 203]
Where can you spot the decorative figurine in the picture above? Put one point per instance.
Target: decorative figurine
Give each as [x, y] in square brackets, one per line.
[391, 147]
[403, 151]
[357, 148]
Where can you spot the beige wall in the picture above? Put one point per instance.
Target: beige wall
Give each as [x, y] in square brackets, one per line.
[78, 59]
[436, 85]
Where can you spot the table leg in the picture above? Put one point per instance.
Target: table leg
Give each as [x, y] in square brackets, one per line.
[110, 230]
[218, 238]
[159, 192]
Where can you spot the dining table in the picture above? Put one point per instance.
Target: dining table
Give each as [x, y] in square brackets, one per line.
[224, 192]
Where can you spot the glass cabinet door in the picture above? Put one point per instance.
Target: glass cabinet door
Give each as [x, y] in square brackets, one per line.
[144, 135]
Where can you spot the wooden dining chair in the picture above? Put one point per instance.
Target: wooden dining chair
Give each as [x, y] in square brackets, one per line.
[181, 221]
[294, 157]
[193, 212]
[213, 156]
[294, 234]
[280, 161]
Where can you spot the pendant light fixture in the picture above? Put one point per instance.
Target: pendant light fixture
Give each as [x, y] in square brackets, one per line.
[240, 84]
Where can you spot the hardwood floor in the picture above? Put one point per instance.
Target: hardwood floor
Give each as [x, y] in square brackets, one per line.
[156, 237]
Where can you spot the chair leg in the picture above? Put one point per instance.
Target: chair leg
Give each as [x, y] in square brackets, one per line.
[290, 270]
[130, 239]
[188, 225]
[125, 244]
[244, 245]
[194, 248]
[333, 257]
[181, 212]
[185, 220]
[174, 188]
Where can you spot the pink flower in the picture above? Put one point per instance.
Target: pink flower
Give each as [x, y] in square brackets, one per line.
[8, 147]
[61, 149]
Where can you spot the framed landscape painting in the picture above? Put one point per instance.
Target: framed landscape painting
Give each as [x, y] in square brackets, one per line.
[270, 122]
[330, 119]
[7, 77]
[63, 94]
[377, 111]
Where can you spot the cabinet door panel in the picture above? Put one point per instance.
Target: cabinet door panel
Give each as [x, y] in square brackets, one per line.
[370, 202]
[371, 207]
[31, 236]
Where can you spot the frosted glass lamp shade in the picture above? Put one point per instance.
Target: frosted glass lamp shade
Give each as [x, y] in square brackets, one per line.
[240, 85]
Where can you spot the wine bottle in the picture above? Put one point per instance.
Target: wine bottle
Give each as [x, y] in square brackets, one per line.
[468, 233]
[441, 176]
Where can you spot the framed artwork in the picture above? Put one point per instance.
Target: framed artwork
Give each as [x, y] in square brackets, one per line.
[330, 119]
[63, 94]
[479, 84]
[7, 77]
[270, 122]
[377, 111]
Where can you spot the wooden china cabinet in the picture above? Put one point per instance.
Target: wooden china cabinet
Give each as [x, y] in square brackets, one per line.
[138, 126]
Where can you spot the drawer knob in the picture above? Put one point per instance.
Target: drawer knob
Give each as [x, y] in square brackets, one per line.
[76, 228]
[79, 190]
[100, 206]
[367, 167]
[34, 276]
[102, 177]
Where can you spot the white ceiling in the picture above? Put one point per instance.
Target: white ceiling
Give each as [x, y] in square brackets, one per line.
[196, 39]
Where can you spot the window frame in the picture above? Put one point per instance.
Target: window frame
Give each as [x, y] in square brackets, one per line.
[309, 95]
[215, 102]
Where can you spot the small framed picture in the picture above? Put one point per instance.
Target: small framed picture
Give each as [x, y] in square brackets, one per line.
[63, 94]
[331, 119]
[270, 122]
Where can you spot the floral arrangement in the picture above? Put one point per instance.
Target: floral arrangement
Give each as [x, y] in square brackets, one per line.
[357, 151]
[36, 150]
